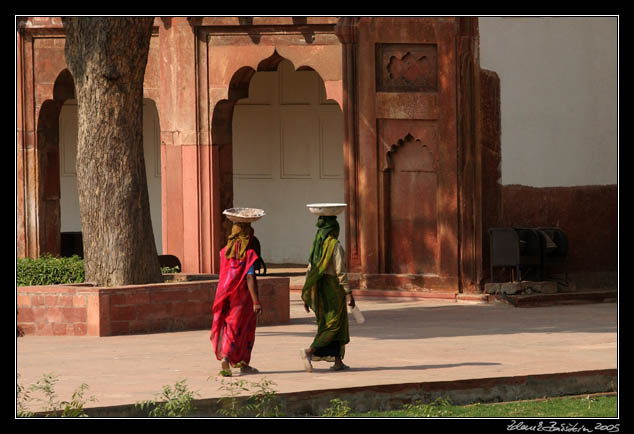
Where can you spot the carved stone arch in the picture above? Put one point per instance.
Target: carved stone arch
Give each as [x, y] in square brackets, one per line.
[48, 161]
[222, 119]
[271, 63]
[330, 72]
[227, 52]
[64, 87]
[428, 162]
[239, 84]
[221, 127]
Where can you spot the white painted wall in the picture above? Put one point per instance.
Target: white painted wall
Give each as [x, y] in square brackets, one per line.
[287, 152]
[559, 91]
[69, 200]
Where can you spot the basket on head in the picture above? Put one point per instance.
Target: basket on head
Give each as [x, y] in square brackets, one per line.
[326, 209]
[244, 215]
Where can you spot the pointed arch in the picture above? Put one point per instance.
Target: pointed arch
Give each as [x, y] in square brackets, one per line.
[290, 117]
[48, 161]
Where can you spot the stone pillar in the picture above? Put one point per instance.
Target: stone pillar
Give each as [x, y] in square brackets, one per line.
[182, 159]
[26, 170]
[347, 32]
[410, 151]
[40, 60]
[469, 129]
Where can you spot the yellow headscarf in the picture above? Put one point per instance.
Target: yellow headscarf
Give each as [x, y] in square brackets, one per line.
[239, 240]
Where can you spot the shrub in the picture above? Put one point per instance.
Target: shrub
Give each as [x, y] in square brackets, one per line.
[48, 270]
[170, 270]
[337, 408]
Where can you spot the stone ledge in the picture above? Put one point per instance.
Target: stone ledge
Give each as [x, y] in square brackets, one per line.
[84, 310]
[538, 300]
[393, 396]
[523, 287]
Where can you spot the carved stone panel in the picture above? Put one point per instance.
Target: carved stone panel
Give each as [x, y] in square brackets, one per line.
[410, 196]
[413, 240]
[406, 68]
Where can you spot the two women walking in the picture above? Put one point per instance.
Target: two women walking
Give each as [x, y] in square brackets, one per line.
[326, 292]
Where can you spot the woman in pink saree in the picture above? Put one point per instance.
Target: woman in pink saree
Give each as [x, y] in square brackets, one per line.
[236, 304]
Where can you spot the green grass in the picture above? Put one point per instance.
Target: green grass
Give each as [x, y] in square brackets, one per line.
[603, 406]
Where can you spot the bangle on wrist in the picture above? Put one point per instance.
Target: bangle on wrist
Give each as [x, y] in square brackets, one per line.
[257, 303]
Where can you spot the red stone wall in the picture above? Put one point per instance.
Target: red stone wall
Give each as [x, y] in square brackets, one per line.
[406, 218]
[81, 310]
[53, 310]
[587, 214]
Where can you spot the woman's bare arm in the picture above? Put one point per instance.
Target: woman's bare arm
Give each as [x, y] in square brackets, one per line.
[252, 284]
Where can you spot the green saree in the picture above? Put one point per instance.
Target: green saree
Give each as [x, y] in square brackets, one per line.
[323, 294]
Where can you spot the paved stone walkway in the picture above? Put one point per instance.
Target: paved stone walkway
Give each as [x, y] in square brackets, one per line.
[402, 341]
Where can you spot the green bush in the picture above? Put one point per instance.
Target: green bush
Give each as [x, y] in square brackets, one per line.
[170, 270]
[48, 270]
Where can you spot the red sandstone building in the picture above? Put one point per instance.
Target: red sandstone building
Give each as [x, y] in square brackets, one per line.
[395, 116]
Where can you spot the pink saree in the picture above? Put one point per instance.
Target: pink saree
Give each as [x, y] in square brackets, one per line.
[233, 326]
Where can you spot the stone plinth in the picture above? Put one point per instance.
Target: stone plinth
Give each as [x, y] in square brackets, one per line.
[84, 310]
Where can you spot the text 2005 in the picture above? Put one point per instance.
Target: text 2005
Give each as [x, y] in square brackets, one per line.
[607, 428]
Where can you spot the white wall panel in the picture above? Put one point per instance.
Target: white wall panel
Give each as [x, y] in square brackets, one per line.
[303, 136]
[559, 97]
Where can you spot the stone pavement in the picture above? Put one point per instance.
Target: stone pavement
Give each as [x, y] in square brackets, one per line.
[403, 342]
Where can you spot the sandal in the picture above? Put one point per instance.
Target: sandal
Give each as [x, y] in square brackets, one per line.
[248, 370]
[339, 368]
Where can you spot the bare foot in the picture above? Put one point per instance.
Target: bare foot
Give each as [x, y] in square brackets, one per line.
[225, 368]
[306, 358]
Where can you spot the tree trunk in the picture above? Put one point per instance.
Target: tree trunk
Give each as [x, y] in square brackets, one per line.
[107, 58]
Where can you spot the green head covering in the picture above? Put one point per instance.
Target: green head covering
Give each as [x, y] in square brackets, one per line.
[320, 255]
[327, 226]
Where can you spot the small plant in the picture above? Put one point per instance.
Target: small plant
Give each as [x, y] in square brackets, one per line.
[262, 401]
[434, 409]
[230, 404]
[175, 402]
[337, 408]
[75, 408]
[170, 270]
[52, 407]
[23, 398]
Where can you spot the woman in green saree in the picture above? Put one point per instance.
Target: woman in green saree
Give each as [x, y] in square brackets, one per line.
[325, 292]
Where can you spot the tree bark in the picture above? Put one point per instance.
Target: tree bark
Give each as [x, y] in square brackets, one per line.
[107, 57]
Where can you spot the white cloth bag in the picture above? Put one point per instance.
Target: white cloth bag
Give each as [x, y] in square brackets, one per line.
[356, 314]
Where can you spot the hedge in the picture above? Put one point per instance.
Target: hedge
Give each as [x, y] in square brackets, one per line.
[48, 270]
